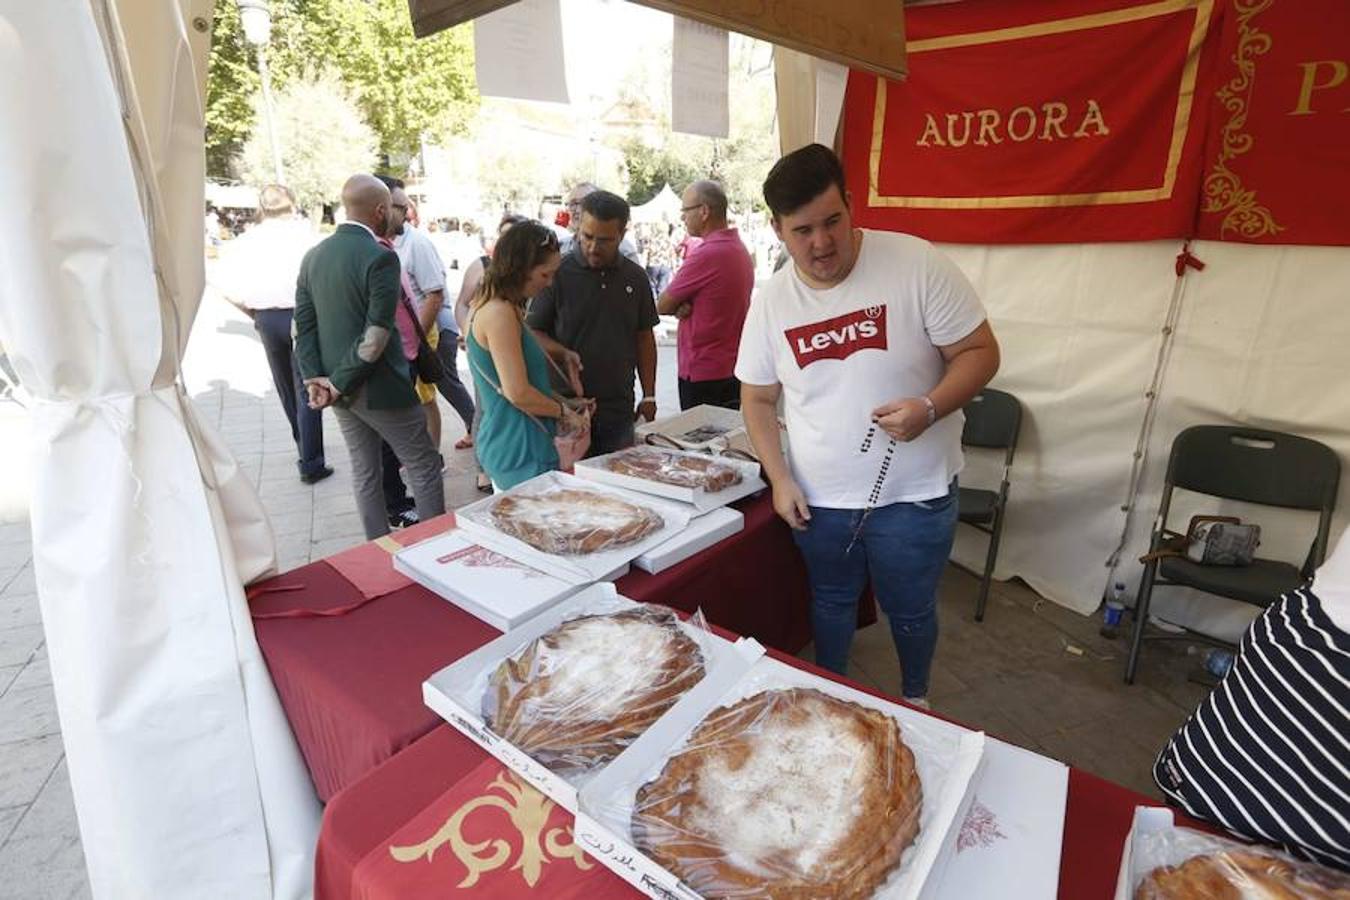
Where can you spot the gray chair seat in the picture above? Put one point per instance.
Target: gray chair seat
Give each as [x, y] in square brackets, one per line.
[977, 507]
[1261, 583]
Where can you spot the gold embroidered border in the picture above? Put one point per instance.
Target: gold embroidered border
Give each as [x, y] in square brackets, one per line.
[1180, 124]
[1223, 190]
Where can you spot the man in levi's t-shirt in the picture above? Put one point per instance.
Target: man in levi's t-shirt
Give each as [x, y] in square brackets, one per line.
[874, 341]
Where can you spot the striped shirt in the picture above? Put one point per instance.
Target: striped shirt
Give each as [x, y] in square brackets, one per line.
[1267, 754]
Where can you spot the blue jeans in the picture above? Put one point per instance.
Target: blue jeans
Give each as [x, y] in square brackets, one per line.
[274, 330]
[903, 548]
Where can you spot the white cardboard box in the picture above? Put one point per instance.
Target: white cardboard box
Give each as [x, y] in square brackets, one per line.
[723, 429]
[594, 469]
[1008, 844]
[476, 521]
[483, 582]
[456, 692]
[947, 756]
[702, 533]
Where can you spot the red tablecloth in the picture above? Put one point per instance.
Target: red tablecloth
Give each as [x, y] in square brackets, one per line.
[362, 821]
[351, 683]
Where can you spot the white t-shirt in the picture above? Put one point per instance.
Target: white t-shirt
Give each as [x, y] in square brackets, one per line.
[259, 268]
[842, 352]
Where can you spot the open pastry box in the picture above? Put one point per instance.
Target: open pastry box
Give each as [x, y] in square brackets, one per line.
[459, 693]
[483, 582]
[947, 758]
[705, 428]
[597, 469]
[477, 521]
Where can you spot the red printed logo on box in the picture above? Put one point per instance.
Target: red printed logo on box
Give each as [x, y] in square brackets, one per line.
[840, 337]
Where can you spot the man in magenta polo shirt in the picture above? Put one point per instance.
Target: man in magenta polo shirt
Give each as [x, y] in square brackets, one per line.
[710, 295]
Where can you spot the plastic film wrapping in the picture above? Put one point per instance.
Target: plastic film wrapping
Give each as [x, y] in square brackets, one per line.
[1180, 864]
[577, 696]
[570, 521]
[680, 469]
[788, 790]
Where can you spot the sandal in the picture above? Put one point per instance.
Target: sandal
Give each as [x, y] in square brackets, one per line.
[464, 443]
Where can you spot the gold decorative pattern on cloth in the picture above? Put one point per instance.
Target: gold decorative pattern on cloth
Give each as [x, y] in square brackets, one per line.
[1223, 190]
[528, 811]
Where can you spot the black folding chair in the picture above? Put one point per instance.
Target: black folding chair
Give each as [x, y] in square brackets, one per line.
[993, 420]
[1254, 466]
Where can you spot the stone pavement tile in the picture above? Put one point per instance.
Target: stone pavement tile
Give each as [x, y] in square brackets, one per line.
[28, 765]
[344, 525]
[1097, 747]
[28, 713]
[7, 676]
[23, 582]
[43, 851]
[17, 644]
[336, 545]
[15, 533]
[295, 519]
[334, 504]
[10, 817]
[15, 555]
[38, 673]
[19, 609]
[980, 709]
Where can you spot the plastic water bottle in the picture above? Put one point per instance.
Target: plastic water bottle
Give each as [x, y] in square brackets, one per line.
[1218, 662]
[1114, 612]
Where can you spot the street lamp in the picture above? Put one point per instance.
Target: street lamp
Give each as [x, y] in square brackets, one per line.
[257, 21]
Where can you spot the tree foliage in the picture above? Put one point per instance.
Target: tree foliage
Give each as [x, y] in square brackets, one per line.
[650, 168]
[321, 136]
[404, 87]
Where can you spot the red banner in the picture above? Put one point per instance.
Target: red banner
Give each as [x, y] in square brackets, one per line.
[1278, 155]
[1039, 121]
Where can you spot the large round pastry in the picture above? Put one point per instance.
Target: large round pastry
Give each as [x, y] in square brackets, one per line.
[572, 522]
[651, 464]
[1242, 875]
[786, 795]
[578, 695]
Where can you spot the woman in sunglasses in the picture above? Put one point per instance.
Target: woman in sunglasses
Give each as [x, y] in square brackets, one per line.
[521, 413]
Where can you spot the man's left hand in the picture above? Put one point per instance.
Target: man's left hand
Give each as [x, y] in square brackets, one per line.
[646, 411]
[904, 419]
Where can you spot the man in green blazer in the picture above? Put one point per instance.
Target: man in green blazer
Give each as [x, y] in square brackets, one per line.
[351, 357]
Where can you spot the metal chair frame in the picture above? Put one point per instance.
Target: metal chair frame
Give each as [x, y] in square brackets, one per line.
[1004, 439]
[1318, 497]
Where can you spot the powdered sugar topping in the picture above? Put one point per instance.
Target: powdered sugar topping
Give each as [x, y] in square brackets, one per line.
[795, 796]
[600, 663]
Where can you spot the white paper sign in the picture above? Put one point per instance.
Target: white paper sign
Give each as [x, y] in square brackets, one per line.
[698, 80]
[518, 52]
[831, 80]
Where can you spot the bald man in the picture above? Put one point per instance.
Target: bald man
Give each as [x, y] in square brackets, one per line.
[710, 295]
[350, 358]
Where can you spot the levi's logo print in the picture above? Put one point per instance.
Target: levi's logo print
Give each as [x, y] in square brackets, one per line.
[840, 337]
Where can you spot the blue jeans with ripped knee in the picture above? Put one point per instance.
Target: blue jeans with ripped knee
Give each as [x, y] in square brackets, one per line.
[903, 548]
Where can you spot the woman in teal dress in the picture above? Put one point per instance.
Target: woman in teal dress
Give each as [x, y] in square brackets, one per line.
[510, 371]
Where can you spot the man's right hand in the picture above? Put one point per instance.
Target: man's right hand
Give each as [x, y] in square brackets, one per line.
[790, 504]
[321, 392]
[572, 365]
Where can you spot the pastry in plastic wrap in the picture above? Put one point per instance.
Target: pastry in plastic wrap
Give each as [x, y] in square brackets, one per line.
[578, 695]
[673, 468]
[572, 522]
[1243, 875]
[788, 794]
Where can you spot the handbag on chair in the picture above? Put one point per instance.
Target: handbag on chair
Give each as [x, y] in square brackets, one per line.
[1211, 541]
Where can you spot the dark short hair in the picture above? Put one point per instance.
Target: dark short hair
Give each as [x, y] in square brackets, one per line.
[391, 182]
[800, 177]
[606, 207]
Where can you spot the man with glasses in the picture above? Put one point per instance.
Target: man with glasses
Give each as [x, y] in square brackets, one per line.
[579, 193]
[710, 295]
[597, 317]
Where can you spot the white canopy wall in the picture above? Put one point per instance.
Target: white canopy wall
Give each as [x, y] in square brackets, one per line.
[1260, 340]
[186, 778]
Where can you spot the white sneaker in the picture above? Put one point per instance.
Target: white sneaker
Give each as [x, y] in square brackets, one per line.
[920, 702]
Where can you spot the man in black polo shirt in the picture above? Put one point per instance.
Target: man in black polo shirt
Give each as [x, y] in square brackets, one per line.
[599, 313]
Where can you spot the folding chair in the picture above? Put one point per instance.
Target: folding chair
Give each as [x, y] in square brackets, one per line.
[1265, 467]
[993, 420]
